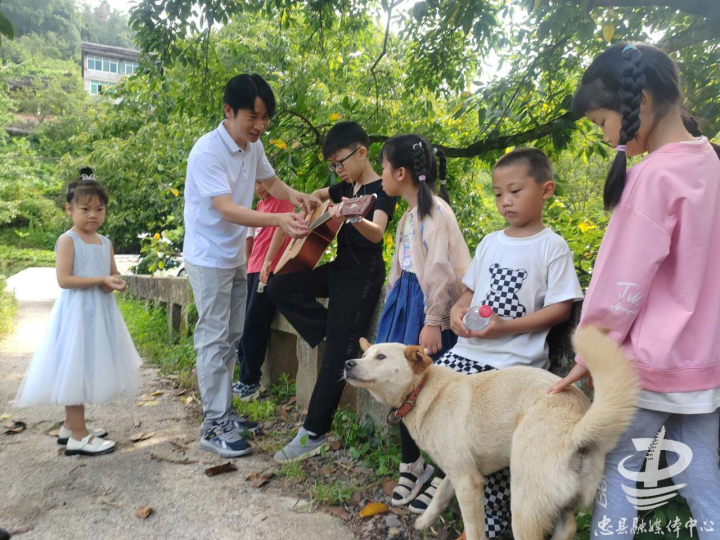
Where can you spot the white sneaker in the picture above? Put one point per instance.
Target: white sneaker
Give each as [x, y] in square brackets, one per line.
[66, 433]
[89, 446]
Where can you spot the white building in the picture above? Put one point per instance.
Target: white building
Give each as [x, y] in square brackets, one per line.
[104, 65]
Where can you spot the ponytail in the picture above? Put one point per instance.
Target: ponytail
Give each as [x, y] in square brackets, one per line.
[633, 83]
[691, 124]
[424, 164]
[422, 171]
[442, 175]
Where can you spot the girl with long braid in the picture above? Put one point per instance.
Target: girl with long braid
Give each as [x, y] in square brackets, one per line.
[426, 272]
[656, 288]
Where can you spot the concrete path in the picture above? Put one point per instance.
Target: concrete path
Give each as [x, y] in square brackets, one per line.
[62, 497]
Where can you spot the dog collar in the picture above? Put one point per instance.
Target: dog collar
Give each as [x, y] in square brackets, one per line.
[395, 415]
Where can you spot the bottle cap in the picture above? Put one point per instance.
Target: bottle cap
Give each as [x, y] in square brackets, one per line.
[485, 311]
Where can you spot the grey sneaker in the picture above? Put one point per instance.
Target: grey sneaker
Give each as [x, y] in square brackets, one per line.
[301, 447]
[241, 423]
[247, 392]
[224, 440]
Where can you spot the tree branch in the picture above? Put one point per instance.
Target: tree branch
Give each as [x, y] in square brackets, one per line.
[315, 130]
[382, 54]
[695, 34]
[703, 8]
[496, 143]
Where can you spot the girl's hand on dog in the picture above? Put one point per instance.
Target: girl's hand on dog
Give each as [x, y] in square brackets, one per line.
[496, 328]
[431, 339]
[576, 374]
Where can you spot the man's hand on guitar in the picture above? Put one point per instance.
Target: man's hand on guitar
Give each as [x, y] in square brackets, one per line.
[305, 201]
[292, 224]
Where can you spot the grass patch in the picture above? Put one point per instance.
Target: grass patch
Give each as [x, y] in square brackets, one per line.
[149, 329]
[8, 308]
[14, 260]
[333, 492]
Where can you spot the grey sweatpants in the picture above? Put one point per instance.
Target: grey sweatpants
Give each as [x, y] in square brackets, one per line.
[220, 296]
[693, 466]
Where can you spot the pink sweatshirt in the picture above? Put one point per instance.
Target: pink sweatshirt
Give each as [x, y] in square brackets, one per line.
[656, 283]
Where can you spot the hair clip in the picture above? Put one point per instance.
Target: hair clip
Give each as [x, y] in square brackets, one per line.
[87, 176]
[417, 144]
[621, 148]
[422, 178]
[629, 47]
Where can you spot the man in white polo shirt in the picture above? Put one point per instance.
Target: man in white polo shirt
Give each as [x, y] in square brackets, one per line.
[221, 172]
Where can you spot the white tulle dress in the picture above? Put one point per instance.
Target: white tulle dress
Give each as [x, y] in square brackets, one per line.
[86, 355]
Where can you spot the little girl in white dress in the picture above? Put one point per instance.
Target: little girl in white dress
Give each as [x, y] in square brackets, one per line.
[86, 355]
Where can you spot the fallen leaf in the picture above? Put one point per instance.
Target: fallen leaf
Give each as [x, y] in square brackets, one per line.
[373, 508]
[326, 470]
[148, 403]
[143, 512]
[21, 530]
[262, 479]
[292, 401]
[363, 471]
[356, 498]
[179, 447]
[146, 397]
[399, 511]
[388, 487]
[54, 432]
[106, 491]
[221, 469]
[157, 393]
[142, 436]
[335, 446]
[185, 461]
[107, 501]
[180, 393]
[14, 427]
[4, 417]
[337, 511]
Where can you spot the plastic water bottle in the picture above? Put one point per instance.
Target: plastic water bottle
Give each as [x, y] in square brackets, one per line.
[477, 318]
[261, 287]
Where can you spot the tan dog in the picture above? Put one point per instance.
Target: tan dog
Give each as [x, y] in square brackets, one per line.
[472, 426]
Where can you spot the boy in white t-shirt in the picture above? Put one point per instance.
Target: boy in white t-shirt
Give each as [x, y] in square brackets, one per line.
[526, 274]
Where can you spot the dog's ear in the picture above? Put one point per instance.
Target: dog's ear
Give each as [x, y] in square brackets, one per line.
[364, 344]
[416, 357]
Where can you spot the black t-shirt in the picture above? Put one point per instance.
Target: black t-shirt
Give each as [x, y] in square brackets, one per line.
[350, 241]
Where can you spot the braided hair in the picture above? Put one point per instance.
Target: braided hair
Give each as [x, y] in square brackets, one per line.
[86, 186]
[616, 80]
[416, 155]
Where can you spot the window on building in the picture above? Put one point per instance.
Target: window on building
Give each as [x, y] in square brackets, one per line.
[108, 65]
[97, 87]
[130, 68]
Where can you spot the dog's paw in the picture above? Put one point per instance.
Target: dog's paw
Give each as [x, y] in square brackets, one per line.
[424, 521]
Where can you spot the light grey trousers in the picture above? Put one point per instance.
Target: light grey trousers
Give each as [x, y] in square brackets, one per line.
[220, 296]
[692, 465]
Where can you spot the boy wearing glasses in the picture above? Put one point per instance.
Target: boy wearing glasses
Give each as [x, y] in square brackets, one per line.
[352, 283]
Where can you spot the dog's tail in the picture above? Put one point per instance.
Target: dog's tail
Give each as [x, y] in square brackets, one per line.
[616, 391]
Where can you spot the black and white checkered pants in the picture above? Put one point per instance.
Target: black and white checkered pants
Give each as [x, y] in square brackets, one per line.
[497, 485]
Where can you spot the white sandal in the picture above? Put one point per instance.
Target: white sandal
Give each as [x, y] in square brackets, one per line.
[66, 433]
[89, 446]
[413, 477]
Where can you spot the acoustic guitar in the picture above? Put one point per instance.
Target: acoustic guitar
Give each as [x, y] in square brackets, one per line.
[305, 253]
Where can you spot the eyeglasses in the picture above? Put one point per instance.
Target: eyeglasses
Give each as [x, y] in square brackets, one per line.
[335, 166]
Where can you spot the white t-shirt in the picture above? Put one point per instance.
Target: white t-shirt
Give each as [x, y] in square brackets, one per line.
[517, 277]
[218, 166]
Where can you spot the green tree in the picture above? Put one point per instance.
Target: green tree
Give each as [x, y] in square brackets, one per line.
[43, 16]
[103, 24]
[6, 27]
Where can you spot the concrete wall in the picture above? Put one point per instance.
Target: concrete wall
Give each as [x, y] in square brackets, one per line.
[288, 353]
